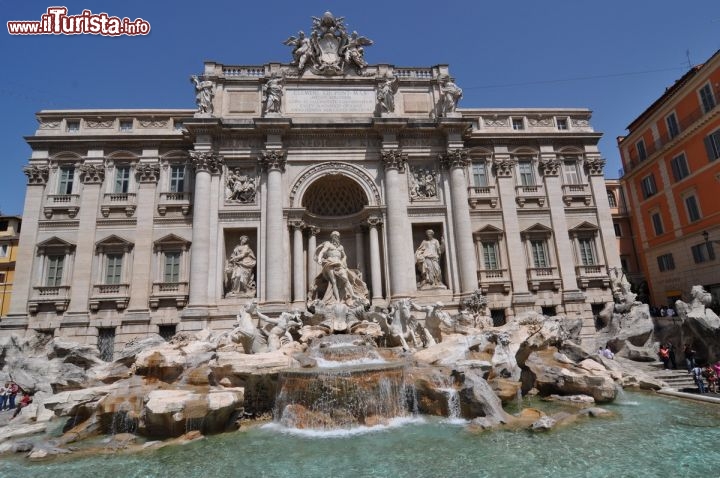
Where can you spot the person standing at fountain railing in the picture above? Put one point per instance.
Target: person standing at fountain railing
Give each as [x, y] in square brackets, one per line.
[4, 390]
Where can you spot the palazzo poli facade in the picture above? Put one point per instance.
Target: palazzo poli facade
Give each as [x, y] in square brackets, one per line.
[141, 221]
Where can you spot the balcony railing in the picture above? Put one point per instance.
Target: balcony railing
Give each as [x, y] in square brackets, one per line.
[174, 200]
[126, 202]
[538, 276]
[494, 278]
[177, 291]
[534, 192]
[481, 194]
[576, 191]
[592, 273]
[59, 296]
[61, 202]
[423, 73]
[118, 294]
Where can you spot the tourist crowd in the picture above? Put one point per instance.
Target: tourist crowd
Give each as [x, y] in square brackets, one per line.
[8, 396]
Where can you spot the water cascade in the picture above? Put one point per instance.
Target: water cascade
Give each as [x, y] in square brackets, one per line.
[351, 386]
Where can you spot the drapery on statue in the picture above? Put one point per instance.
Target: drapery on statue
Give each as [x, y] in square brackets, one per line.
[204, 93]
[272, 94]
[386, 95]
[427, 259]
[450, 95]
[239, 270]
[336, 282]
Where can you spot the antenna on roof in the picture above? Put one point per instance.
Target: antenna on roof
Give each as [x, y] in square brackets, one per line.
[687, 54]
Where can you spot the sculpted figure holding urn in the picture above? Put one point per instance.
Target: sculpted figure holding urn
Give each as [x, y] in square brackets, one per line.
[239, 270]
[427, 258]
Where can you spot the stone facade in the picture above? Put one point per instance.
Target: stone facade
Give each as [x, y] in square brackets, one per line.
[132, 218]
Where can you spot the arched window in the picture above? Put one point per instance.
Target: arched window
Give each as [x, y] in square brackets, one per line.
[611, 199]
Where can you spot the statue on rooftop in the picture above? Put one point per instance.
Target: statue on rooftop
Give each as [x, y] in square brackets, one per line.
[329, 49]
[272, 94]
[450, 95]
[204, 94]
[386, 94]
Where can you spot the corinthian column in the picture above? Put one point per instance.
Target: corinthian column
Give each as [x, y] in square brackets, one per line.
[24, 280]
[147, 176]
[456, 160]
[298, 261]
[402, 272]
[92, 176]
[273, 161]
[205, 163]
[312, 245]
[375, 274]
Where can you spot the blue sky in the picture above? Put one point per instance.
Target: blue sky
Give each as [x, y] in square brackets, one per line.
[614, 57]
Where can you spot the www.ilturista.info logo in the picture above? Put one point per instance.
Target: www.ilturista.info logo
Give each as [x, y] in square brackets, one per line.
[57, 22]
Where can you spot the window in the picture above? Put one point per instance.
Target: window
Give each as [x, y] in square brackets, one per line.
[73, 126]
[587, 251]
[703, 252]
[177, 178]
[126, 125]
[490, 255]
[172, 266]
[549, 310]
[4, 225]
[106, 343]
[618, 230]
[4, 250]
[693, 210]
[570, 172]
[562, 124]
[113, 268]
[167, 331]
[122, 179]
[657, 223]
[54, 270]
[526, 173]
[706, 98]
[712, 144]
[648, 186]
[672, 125]
[666, 262]
[518, 124]
[498, 317]
[65, 182]
[3, 277]
[539, 253]
[679, 167]
[642, 152]
[611, 199]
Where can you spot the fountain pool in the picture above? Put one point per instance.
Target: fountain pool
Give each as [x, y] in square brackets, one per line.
[650, 436]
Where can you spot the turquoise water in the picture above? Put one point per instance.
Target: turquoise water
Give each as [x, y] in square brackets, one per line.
[650, 437]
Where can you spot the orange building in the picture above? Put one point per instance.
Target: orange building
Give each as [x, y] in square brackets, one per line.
[671, 161]
[9, 235]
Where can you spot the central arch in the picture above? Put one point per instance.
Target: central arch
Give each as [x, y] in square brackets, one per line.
[340, 171]
[334, 195]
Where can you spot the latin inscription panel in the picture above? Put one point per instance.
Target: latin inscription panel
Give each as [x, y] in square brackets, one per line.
[306, 100]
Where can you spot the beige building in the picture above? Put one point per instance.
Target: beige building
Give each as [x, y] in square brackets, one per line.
[140, 221]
